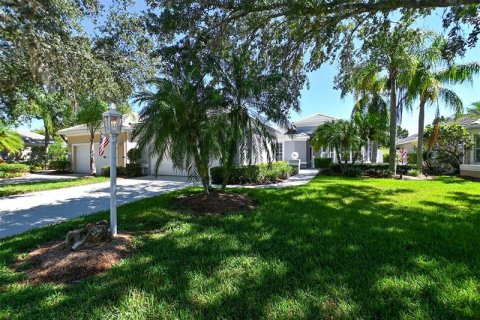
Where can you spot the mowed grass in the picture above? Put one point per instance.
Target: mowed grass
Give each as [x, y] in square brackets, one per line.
[19, 188]
[336, 248]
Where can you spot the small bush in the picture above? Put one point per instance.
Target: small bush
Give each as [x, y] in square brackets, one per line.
[353, 171]
[134, 155]
[61, 165]
[411, 158]
[386, 157]
[413, 172]
[323, 163]
[35, 166]
[374, 170]
[260, 173]
[121, 171]
[133, 169]
[11, 170]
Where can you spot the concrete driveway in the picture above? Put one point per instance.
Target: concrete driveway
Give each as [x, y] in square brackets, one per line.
[39, 177]
[32, 210]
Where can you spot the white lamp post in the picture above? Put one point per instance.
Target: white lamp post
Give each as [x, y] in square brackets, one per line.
[112, 121]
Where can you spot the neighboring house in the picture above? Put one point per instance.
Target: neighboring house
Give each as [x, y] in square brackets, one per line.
[34, 145]
[297, 139]
[471, 161]
[409, 143]
[78, 141]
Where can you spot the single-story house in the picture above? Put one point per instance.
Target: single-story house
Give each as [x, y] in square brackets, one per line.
[289, 141]
[34, 145]
[471, 161]
[296, 139]
[409, 143]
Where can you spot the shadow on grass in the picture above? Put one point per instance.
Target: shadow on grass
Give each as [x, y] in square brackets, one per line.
[336, 248]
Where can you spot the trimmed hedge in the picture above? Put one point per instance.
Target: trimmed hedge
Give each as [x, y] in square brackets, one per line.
[121, 171]
[322, 163]
[377, 170]
[133, 169]
[60, 165]
[260, 173]
[11, 170]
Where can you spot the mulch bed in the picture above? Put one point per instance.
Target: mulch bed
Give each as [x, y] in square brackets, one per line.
[55, 262]
[216, 203]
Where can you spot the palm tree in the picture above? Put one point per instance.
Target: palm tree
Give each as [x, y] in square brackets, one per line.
[341, 135]
[242, 85]
[10, 141]
[428, 86]
[181, 119]
[474, 110]
[371, 110]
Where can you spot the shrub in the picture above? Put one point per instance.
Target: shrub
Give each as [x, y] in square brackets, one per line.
[134, 155]
[58, 150]
[35, 166]
[106, 171]
[260, 173]
[413, 172]
[376, 170]
[412, 158]
[322, 163]
[133, 169]
[62, 165]
[11, 170]
[386, 157]
[353, 171]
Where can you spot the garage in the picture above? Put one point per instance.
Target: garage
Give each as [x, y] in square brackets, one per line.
[166, 168]
[82, 158]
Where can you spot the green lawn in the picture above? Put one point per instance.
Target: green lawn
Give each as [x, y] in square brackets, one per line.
[335, 248]
[12, 189]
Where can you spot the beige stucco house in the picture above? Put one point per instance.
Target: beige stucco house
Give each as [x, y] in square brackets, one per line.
[471, 162]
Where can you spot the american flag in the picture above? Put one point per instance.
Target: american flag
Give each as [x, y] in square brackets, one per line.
[103, 144]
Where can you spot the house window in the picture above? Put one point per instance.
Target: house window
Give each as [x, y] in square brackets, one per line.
[279, 151]
[477, 148]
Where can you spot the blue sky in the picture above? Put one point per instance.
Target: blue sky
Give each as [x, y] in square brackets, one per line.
[322, 98]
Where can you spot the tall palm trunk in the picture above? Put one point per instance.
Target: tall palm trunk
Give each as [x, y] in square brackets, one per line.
[421, 124]
[229, 162]
[93, 169]
[374, 152]
[393, 122]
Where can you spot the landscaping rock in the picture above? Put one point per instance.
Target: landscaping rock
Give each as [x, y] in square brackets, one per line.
[93, 232]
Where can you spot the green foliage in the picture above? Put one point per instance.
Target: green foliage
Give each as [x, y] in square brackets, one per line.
[413, 172]
[36, 165]
[10, 141]
[58, 150]
[377, 170]
[341, 135]
[411, 158]
[386, 157]
[90, 113]
[11, 170]
[401, 132]
[20, 188]
[388, 249]
[181, 120]
[260, 173]
[60, 165]
[134, 155]
[121, 171]
[133, 169]
[322, 163]
[450, 144]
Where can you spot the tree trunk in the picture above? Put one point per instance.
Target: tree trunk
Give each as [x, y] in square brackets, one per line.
[93, 169]
[47, 139]
[421, 124]
[393, 123]
[374, 152]
[228, 165]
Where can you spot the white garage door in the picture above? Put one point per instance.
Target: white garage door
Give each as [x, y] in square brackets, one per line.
[82, 159]
[166, 168]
